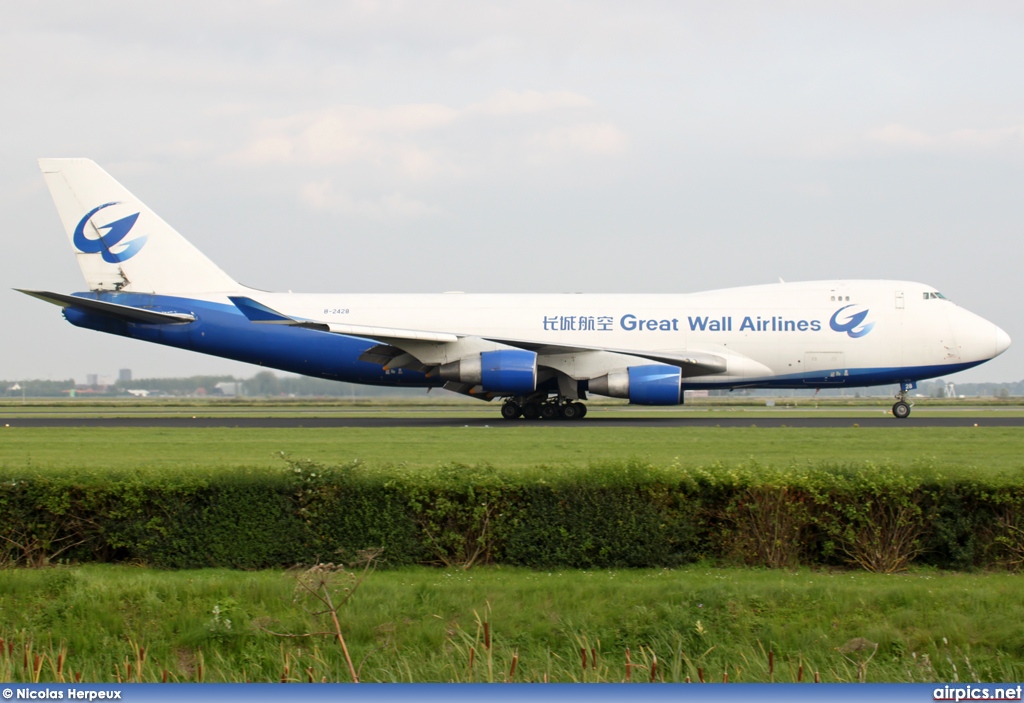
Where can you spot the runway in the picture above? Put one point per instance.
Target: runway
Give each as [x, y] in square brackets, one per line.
[828, 422]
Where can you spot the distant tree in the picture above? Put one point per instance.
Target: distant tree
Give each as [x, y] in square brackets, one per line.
[174, 386]
[263, 384]
[37, 388]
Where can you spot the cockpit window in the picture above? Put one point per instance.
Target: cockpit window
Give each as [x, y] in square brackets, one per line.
[934, 295]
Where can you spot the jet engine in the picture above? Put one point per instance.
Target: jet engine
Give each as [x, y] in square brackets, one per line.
[651, 384]
[511, 371]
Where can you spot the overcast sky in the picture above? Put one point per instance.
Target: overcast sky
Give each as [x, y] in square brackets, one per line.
[520, 147]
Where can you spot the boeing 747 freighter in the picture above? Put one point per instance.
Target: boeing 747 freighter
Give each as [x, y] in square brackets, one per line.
[541, 354]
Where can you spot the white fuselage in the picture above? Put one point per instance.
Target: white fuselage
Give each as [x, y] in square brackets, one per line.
[768, 332]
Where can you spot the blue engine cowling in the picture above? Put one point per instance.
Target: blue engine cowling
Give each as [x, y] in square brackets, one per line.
[655, 385]
[650, 384]
[510, 371]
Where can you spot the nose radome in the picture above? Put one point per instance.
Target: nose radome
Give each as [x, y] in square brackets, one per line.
[1002, 340]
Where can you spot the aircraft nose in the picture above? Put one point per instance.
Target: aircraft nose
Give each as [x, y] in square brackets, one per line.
[1002, 340]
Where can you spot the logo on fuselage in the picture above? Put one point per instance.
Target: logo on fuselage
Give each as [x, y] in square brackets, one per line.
[106, 243]
[853, 325]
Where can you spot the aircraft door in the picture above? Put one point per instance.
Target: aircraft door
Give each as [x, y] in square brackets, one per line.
[825, 368]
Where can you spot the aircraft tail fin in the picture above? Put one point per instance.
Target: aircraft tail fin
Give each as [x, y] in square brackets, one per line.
[120, 243]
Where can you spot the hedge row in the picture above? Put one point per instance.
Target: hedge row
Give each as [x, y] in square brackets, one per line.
[625, 515]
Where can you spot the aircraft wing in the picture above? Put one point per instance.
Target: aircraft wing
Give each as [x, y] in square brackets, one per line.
[399, 343]
[126, 313]
[693, 363]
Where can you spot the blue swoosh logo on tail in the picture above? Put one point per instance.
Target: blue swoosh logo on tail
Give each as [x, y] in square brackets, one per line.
[105, 243]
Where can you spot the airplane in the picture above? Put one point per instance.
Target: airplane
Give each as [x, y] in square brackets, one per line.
[541, 354]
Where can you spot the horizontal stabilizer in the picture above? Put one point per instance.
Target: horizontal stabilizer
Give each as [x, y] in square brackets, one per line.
[121, 312]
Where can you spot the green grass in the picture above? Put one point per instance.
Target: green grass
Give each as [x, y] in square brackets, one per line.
[944, 450]
[427, 406]
[417, 624]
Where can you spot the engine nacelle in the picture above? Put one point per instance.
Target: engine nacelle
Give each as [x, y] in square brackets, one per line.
[651, 384]
[501, 371]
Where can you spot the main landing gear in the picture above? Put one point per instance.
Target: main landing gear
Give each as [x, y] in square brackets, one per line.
[559, 408]
[901, 409]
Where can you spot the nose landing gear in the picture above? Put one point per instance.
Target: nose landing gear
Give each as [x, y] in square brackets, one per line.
[901, 409]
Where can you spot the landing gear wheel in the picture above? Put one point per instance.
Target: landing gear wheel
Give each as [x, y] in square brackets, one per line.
[511, 410]
[549, 411]
[901, 410]
[582, 408]
[572, 411]
[531, 411]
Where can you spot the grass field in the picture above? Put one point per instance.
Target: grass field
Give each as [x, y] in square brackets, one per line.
[418, 625]
[943, 450]
[730, 407]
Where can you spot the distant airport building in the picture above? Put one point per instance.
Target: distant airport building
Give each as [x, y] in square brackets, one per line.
[228, 389]
[124, 375]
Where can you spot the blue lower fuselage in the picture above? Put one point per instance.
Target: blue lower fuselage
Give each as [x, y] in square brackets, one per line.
[222, 330]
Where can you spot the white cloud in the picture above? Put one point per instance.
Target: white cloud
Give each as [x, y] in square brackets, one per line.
[898, 135]
[987, 138]
[339, 133]
[530, 102]
[323, 195]
[418, 141]
[266, 150]
[809, 189]
[351, 134]
[961, 140]
[601, 138]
